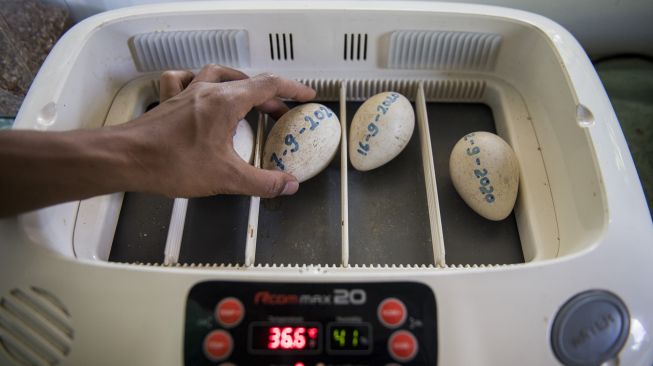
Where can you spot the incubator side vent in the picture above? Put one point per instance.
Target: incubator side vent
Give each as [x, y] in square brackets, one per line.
[355, 47]
[360, 90]
[190, 49]
[462, 90]
[454, 90]
[443, 50]
[281, 46]
[35, 328]
[327, 89]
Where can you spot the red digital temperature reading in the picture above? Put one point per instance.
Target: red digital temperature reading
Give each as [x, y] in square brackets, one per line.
[292, 338]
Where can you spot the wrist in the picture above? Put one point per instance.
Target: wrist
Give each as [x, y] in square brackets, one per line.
[132, 159]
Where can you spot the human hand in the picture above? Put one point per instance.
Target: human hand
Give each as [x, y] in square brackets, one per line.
[185, 145]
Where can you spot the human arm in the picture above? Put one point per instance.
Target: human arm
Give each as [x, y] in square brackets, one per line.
[181, 148]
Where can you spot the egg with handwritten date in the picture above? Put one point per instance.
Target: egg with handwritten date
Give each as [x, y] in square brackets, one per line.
[244, 141]
[485, 172]
[303, 141]
[380, 130]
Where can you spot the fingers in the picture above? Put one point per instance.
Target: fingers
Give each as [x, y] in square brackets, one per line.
[263, 183]
[274, 107]
[172, 83]
[215, 73]
[261, 89]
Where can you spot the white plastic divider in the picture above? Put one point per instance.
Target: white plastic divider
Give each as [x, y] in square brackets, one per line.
[175, 231]
[429, 176]
[255, 202]
[344, 193]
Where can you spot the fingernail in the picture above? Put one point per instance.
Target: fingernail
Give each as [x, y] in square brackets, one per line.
[290, 188]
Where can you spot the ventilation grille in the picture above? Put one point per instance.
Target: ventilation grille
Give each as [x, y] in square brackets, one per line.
[443, 50]
[327, 89]
[434, 90]
[469, 90]
[35, 328]
[355, 47]
[190, 49]
[281, 46]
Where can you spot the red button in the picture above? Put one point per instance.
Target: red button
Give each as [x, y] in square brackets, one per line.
[229, 312]
[392, 312]
[218, 345]
[402, 345]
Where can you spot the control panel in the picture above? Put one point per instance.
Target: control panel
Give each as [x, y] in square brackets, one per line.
[320, 324]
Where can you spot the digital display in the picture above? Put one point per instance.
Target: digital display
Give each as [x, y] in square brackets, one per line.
[285, 338]
[349, 338]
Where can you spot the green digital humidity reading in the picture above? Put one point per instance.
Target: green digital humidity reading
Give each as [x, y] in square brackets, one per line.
[346, 338]
[340, 336]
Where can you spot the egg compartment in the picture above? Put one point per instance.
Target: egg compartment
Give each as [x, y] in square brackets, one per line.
[304, 227]
[469, 238]
[388, 210]
[142, 228]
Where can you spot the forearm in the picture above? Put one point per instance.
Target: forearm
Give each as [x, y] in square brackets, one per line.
[181, 148]
[45, 168]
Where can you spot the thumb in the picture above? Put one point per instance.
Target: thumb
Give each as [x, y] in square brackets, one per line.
[265, 183]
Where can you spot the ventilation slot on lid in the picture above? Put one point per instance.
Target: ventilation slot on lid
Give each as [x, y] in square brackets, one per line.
[355, 47]
[281, 46]
[190, 49]
[35, 328]
[443, 50]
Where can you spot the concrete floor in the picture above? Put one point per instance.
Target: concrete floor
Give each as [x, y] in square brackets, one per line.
[28, 30]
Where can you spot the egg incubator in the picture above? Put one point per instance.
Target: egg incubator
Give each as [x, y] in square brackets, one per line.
[384, 267]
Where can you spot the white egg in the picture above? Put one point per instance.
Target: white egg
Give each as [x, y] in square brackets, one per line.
[380, 130]
[485, 172]
[244, 141]
[303, 141]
